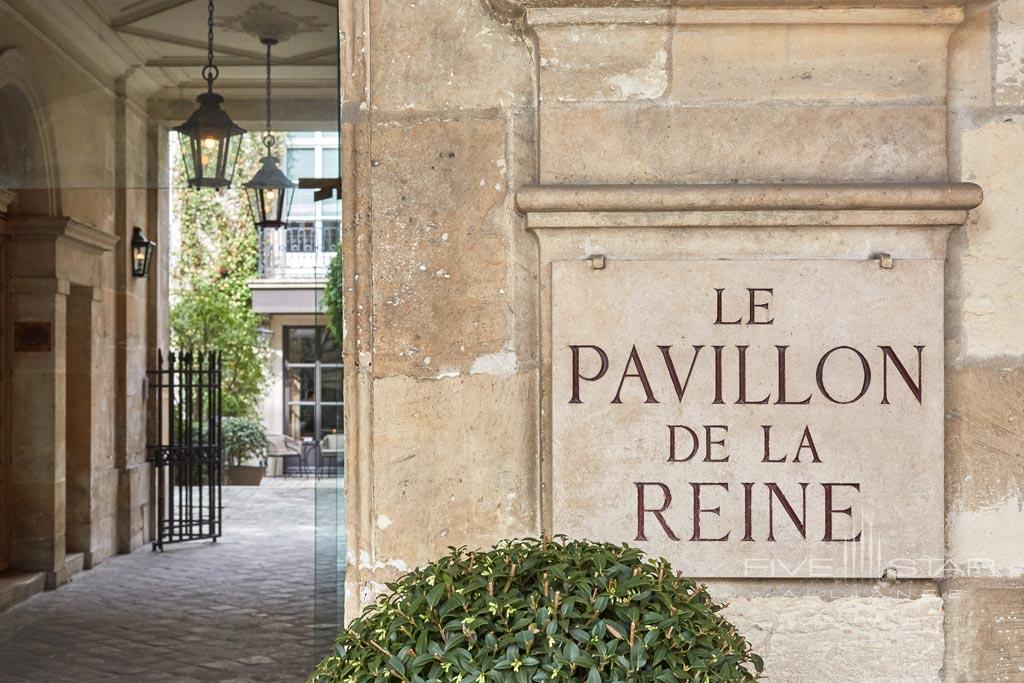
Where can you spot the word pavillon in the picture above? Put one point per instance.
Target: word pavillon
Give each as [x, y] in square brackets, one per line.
[680, 370]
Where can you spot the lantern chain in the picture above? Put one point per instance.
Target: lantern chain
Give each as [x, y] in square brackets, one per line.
[210, 71]
[269, 139]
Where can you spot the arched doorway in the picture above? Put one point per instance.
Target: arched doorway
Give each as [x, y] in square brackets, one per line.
[28, 160]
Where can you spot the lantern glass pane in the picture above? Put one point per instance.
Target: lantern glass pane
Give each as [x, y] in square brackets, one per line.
[187, 148]
[256, 205]
[232, 147]
[209, 155]
[286, 204]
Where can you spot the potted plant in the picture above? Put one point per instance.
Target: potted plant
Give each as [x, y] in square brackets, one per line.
[542, 610]
[245, 441]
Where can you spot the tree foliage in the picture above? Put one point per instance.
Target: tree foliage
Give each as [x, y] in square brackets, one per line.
[542, 610]
[211, 301]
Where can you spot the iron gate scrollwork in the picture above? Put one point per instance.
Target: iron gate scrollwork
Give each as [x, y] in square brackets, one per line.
[186, 447]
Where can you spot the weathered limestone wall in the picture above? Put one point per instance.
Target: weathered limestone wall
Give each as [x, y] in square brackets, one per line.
[450, 107]
[656, 95]
[439, 287]
[984, 596]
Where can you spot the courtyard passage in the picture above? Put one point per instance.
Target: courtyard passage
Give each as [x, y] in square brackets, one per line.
[241, 609]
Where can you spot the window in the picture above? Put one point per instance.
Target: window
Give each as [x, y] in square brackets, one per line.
[300, 237]
[313, 381]
[330, 235]
[313, 226]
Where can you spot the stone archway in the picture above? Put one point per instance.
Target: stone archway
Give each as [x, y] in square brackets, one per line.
[28, 159]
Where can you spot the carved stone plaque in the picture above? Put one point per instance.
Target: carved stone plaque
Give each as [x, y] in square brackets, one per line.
[32, 337]
[775, 418]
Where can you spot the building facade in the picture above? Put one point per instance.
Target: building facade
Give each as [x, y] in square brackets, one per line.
[303, 399]
[492, 153]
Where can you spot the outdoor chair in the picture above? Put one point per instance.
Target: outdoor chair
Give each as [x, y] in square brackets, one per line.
[284, 447]
[331, 458]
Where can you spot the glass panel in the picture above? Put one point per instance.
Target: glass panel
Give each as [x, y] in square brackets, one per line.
[301, 421]
[330, 350]
[330, 207]
[331, 541]
[301, 163]
[331, 382]
[303, 204]
[301, 384]
[301, 345]
[331, 421]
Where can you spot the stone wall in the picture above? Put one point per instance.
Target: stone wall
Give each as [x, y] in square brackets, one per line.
[440, 284]
[450, 107]
[984, 595]
[96, 133]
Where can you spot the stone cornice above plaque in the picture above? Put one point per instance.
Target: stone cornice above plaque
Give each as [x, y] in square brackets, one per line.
[729, 11]
[52, 229]
[576, 206]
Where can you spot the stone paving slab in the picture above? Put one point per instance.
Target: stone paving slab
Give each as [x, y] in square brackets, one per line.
[240, 610]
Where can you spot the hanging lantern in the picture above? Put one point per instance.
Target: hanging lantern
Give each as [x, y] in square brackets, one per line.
[270, 191]
[142, 253]
[210, 140]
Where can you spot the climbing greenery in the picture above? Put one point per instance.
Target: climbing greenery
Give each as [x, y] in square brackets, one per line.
[332, 300]
[211, 304]
[542, 610]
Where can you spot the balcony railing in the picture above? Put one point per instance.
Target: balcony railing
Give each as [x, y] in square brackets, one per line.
[302, 251]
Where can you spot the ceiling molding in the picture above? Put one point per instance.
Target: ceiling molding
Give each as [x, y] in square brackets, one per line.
[311, 59]
[145, 13]
[80, 33]
[162, 45]
[330, 52]
[234, 84]
[189, 42]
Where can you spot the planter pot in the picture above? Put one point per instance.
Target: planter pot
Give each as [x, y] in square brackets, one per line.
[244, 475]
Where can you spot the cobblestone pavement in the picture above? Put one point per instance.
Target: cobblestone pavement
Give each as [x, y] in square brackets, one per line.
[241, 609]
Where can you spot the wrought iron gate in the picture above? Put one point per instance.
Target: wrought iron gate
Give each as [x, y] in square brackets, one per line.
[186, 447]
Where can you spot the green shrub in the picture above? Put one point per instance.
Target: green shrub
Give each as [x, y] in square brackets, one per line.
[542, 610]
[244, 438]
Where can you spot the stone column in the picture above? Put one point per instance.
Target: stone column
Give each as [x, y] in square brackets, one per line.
[38, 310]
[47, 257]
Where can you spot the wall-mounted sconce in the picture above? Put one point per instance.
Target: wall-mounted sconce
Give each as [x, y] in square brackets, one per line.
[142, 253]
